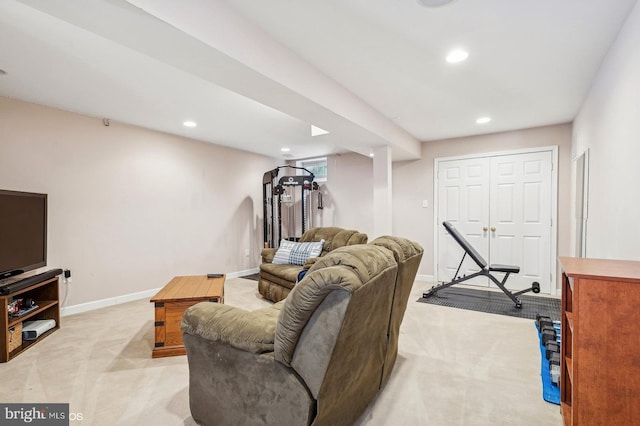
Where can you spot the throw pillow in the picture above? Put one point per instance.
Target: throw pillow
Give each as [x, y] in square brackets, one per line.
[294, 253]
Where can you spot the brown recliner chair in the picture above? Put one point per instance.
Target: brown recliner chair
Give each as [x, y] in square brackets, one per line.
[316, 358]
[408, 255]
[276, 280]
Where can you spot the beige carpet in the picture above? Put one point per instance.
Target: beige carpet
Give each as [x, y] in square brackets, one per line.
[454, 367]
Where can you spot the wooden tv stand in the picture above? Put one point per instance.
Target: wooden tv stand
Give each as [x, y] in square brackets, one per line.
[45, 294]
[600, 372]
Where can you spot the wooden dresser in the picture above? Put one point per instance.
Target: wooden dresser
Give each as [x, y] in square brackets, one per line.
[600, 354]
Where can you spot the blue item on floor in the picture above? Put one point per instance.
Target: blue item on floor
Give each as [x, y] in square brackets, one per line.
[550, 392]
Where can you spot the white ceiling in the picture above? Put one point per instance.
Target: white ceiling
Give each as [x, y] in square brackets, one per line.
[256, 74]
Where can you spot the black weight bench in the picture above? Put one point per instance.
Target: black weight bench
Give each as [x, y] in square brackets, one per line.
[485, 270]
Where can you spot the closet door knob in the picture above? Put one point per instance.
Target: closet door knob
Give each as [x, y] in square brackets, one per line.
[485, 229]
[493, 229]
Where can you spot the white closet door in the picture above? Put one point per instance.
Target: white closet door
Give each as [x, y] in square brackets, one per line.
[502, 205]
[463, 200]
[520, 217]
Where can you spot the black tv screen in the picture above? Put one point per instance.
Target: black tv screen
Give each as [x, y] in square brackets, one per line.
[23, 232]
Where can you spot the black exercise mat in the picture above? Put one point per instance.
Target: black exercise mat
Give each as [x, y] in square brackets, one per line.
[254, 277]
[495, 303]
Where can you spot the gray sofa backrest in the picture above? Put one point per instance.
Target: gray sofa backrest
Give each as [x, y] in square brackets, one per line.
[408, 255]
[332, 329]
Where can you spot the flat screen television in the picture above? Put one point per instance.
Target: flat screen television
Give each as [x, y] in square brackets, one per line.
[23, 232]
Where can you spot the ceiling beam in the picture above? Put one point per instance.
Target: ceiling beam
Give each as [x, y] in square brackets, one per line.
[211, 41]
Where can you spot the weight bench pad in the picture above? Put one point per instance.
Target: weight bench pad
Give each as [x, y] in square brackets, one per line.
[504, 268]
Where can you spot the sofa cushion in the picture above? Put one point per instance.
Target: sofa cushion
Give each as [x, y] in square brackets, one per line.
[294, 253]
[283, 275]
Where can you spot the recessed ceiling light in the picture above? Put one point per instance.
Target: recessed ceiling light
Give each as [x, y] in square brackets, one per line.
[189, 124]
[457, 55]
[371, 155]
[285, 149]
[483, 120]
[317, 131]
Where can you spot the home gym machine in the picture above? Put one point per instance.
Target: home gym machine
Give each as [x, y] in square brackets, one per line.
[485, 270]
[278, 192]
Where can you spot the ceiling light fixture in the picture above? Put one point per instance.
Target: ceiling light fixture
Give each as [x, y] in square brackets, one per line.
[457, 55]
[190, 124]
[285, 149]
[483, 120]
[317, 131]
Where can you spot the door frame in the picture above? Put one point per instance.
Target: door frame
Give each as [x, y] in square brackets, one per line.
[581, 165]
[554, 288]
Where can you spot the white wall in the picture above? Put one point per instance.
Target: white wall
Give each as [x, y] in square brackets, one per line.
[130, 208]
[348, 193]
[608, 124]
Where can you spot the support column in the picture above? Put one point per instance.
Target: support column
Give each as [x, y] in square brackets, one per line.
[382, 192]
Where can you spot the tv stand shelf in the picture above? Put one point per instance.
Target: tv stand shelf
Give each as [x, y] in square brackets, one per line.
[46, 295]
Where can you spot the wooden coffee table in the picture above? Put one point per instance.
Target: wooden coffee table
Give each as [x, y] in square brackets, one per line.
[171, 302]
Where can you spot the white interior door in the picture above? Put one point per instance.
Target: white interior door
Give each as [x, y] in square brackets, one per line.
[520, 217]
[502, 205]
[463, 200]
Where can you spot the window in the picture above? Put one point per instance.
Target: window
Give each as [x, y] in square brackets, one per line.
[317, 166]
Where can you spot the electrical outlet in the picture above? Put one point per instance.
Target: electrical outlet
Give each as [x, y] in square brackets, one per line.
[425, 203]
[246, 252]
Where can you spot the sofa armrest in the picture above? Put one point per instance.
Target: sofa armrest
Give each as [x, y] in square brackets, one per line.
[250, 331]
[268, 254]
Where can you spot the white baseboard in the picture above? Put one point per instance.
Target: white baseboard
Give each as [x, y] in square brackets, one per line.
[243, 273]
[103, 303]
[147, 294]
[427, 278]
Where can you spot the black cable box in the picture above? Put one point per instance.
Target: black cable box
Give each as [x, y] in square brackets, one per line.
[29, 281]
